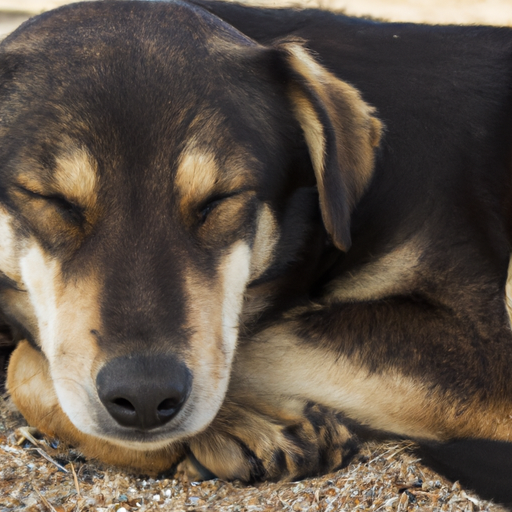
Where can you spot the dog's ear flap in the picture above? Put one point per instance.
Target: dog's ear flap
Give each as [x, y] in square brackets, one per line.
[341, 133]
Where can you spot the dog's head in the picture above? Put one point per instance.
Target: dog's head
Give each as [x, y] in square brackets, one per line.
[155, 164]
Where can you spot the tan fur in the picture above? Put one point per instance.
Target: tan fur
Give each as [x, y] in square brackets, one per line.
[66, 313]
[214, 323]
[200, 177]
[201, 172]
[204, 322]
[9, 247]
[17, 303]
[386, 400]
[75, 177]
[283, 427]
[214, 327]
[357, 130]
[196, 176]
[32, 182]
[14, 301]
[389, 275]
[313, 132]
[267, 236]
[226, 217]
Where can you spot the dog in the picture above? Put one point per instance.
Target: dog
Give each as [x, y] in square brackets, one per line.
[237, 238]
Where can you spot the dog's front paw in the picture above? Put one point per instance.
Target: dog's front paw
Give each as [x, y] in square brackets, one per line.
[289, 441]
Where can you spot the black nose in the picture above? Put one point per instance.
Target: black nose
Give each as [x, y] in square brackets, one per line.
[143, 392]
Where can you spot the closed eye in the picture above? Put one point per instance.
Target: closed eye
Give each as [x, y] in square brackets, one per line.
[207, 209]
[71, 211]
[208, 206]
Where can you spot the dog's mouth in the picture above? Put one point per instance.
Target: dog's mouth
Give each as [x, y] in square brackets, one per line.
[146, 440]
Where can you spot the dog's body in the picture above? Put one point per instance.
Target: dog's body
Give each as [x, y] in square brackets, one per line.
[181, 291]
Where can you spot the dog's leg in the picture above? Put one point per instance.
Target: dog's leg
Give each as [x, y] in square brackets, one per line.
[402, 367]
[31, 389]
[397, 366]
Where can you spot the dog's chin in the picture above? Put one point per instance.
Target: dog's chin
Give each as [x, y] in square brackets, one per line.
[143, 442]
[134, 439]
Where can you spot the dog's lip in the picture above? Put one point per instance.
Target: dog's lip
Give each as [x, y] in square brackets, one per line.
[138, 439]
[165, 434]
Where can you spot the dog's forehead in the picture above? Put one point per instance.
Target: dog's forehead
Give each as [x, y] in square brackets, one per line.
[164, 57]
[138, 80]
[79, 39]
[95, 26]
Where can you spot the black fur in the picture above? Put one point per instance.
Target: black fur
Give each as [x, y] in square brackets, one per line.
[478, 463]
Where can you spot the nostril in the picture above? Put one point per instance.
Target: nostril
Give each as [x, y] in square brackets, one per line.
[125, 404]
[168, 406]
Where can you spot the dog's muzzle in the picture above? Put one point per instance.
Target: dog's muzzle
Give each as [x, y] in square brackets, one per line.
[143, 392]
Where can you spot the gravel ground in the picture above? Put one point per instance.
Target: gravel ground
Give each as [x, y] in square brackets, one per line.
[39, 475]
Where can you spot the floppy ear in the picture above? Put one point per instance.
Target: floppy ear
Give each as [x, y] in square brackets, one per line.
[341, 133]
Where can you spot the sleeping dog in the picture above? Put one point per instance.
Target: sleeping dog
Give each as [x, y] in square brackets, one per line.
[237, 237]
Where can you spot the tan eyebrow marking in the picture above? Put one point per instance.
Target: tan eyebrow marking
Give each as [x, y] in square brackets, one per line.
[199, 175]
[75, 177]
[196, 176]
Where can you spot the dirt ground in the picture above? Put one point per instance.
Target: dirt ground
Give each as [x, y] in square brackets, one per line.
[39, 475]
[494, 12]
[489, 12]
